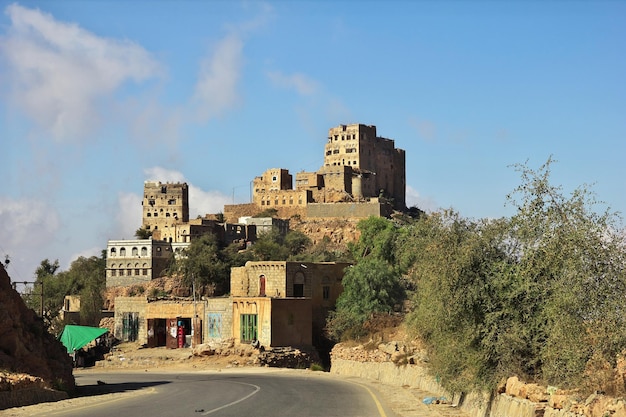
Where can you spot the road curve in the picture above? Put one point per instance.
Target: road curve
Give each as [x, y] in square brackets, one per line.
[217, 394]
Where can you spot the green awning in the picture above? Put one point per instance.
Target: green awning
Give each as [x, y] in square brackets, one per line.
[75, 337]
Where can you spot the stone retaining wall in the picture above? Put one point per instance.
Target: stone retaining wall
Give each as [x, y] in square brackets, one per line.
[29, 396]
[415, 376]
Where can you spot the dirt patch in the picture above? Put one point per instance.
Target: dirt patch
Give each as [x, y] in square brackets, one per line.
[133, 356]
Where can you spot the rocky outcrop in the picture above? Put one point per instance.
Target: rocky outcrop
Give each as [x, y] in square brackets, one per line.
[557, 402]
[336, 232]
[249, 355]
[27, 348]
[288, 357]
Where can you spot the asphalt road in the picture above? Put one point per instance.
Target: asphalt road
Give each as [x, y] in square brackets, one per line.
[258, 394]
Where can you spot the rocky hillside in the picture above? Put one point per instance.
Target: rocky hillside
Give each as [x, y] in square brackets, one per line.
[337, 232]
[26, 347]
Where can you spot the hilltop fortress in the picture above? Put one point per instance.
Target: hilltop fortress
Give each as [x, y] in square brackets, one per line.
[363, 174]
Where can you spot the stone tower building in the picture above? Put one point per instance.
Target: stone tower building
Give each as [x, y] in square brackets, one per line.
[364, 165]
[275, 188]
[164, 207]
[359, 166]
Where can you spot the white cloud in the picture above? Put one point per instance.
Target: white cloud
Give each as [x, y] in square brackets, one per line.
[128, 217]
[27, 227]
[413, 198]
[206, 202]
[152, 123]
[163, 175]
[425, 129]
[301, 83]
[26, 223]
[60, 71]
[216, 88]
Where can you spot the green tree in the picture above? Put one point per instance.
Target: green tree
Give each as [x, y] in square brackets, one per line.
[90, 273]
[452, 272]
[576, 253]
[377, 239]
[270, 246]
[296, 242]
[143, 233]
[539, 295]
[371, 286]
[85, 277]
[204, 266]
[236, 255]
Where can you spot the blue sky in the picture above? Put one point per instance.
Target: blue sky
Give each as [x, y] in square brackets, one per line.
[98, 96]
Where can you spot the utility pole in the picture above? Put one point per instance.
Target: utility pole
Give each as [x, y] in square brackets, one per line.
[195, 313]
[41, 294]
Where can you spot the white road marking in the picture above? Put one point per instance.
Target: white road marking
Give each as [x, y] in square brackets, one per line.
[256, 389]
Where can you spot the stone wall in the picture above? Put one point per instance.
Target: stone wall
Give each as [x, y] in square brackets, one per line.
[136, 305]
[348, 210]
[232, 212]
[396, 364]
[29, 396]
[220, 311]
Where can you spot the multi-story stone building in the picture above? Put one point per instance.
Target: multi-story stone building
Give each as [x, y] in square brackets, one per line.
[280, 303]
[274, 303]
[376, 166]
[166, 216]
[275, 188]
[265, 224]
[358, 166]
[164, 207]
[131, 262]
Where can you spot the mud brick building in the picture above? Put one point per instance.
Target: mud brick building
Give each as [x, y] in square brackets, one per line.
[275, 303]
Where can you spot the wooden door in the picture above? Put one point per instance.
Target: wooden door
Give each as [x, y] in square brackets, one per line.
[197, 331]
[171, 337]
[152, 333]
